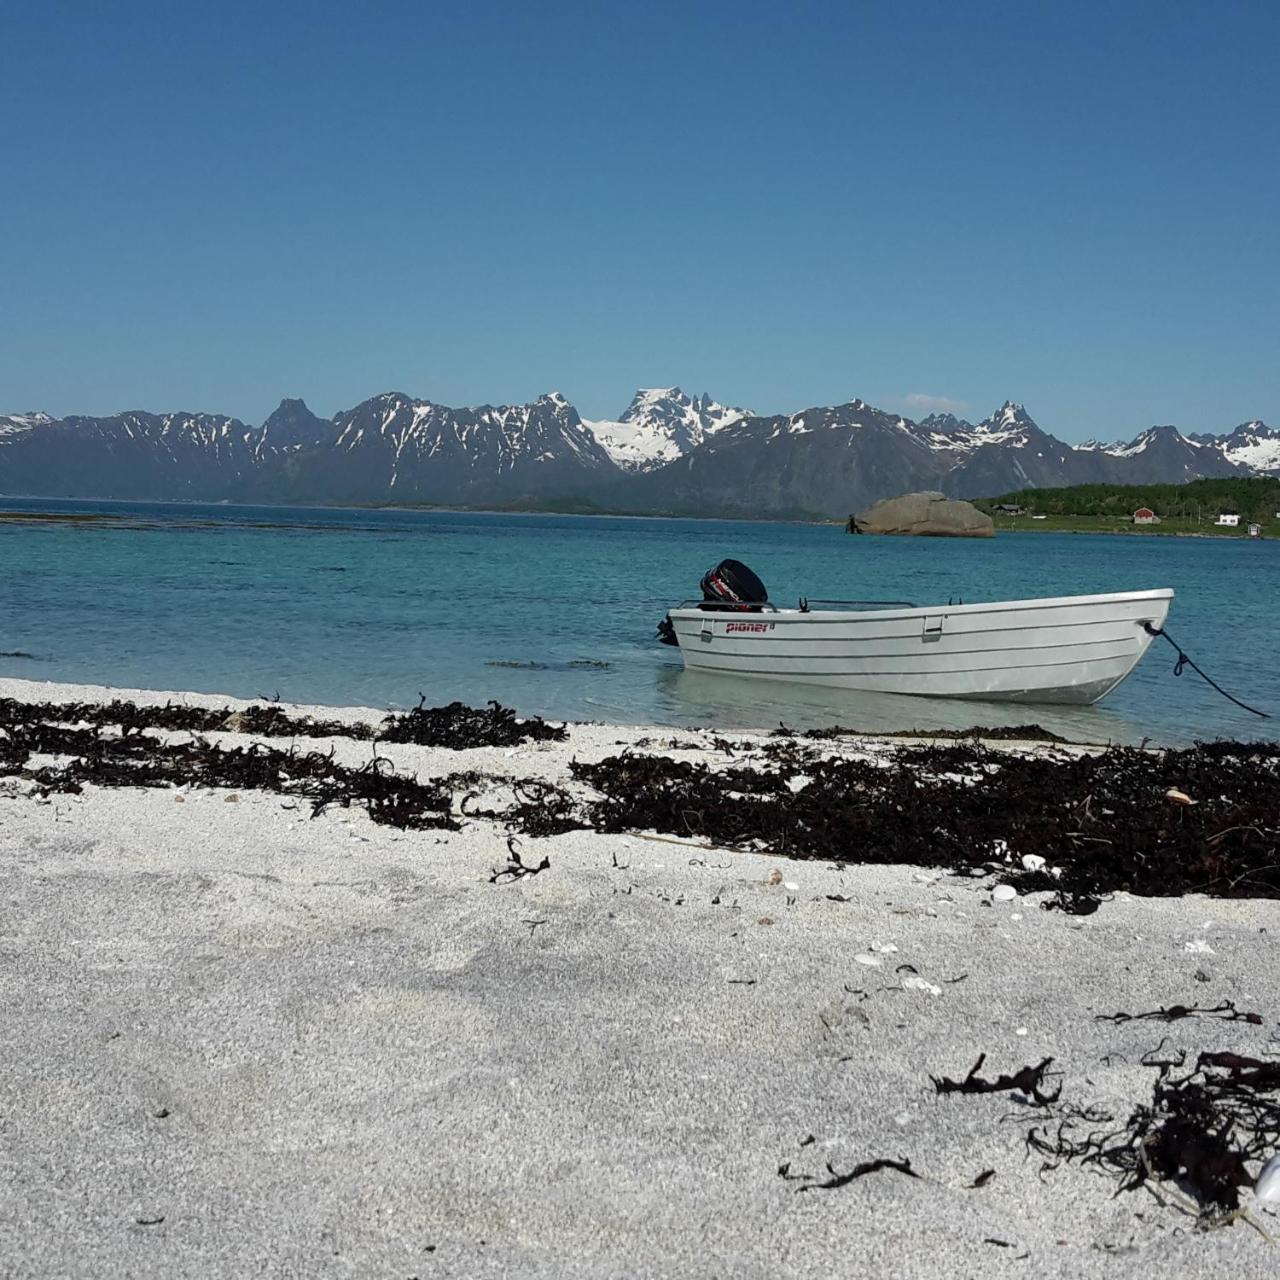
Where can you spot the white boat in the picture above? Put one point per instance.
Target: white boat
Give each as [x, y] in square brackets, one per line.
[1065, 649]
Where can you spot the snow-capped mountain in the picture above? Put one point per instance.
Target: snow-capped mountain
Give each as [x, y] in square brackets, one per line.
[1163, 455]
[944, 424]
[12, 423]
[293, 427]
[1009, 451]
[668, 452]
[389, 447]
[829, 461]
[661, 424]
[1254, 445]
[135, 455]
[395, 447]
[824, 460]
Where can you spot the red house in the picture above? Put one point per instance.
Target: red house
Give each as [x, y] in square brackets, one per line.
[1144, 515]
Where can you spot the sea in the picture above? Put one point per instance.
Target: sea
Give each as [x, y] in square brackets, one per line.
[555, 615]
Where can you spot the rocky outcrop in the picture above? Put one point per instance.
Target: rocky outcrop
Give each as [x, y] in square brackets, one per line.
[930, 514]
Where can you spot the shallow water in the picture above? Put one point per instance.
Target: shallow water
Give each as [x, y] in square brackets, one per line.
[372, 607]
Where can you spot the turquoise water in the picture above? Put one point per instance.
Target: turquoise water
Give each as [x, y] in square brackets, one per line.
[358, 607]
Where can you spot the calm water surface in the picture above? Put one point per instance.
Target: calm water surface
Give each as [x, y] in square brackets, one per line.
[371, 608]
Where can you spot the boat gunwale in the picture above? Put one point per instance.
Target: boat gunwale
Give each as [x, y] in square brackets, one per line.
[851, 615]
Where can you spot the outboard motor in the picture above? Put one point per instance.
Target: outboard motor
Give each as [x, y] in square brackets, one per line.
[728, 588]
[732, 586]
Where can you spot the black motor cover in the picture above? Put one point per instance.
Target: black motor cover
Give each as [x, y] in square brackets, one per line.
[731, 585]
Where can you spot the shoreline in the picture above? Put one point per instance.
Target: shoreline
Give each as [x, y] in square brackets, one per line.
[551, 512]
[1144, 531]
[242, 1037]
[108, 520]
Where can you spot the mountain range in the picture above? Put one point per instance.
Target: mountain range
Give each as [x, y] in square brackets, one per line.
[668, 452]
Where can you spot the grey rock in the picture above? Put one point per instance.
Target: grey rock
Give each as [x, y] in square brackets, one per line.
[929, 514]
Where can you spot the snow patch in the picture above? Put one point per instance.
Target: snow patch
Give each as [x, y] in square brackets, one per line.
[1260, 454]
[660, 425]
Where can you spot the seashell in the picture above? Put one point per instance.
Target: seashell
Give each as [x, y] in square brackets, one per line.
[873, 962]
[774, 877]
[919, 984]
[1004, 893]
[1267, 1187]
[1032, 862]
[1178, 797]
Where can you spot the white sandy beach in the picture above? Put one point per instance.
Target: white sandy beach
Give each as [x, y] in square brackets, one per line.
[241, 1041]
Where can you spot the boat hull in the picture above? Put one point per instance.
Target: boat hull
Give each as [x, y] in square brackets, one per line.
[1067, 649]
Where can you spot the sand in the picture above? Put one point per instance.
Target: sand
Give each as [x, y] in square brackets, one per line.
[238, 1041]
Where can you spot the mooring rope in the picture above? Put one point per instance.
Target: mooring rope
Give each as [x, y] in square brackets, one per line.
[1184, 661]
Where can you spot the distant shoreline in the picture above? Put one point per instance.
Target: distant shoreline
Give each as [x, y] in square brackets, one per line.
[16, 516]
[1142, 531]
[1003, 525]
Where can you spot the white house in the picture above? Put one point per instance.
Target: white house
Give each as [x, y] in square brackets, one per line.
[1230, 518]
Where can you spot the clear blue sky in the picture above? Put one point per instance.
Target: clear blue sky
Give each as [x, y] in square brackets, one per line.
[1072, 205]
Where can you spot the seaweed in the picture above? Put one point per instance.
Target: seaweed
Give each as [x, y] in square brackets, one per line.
[1028, 1080]
[264, 721]
[540, 808]
[139, 760]
[1079, 829]
[809, 1182]
[461, 727]
[515, 868]
[1096, 824]
[1175, 1012]
[1197, 1132]
[456, 726]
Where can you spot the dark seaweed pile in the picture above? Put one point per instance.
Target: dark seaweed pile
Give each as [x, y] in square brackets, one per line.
[1197, 1131]
[460, 727]
[269, 721]
[455, 726]
[138, 760]
[1104, 821]
[107, 746]
[1101, 822]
